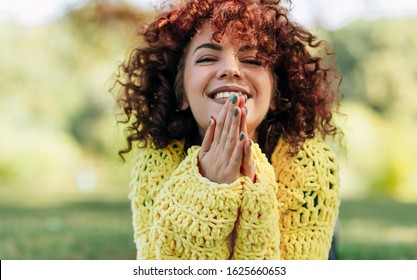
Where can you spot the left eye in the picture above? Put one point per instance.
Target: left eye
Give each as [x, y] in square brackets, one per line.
[251, 61]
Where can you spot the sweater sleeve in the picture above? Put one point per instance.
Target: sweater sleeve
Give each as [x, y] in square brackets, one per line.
[257, 229]
[192, 217]
[308, 199]
[151, 169]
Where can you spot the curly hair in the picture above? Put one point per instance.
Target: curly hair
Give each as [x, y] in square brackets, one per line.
[151, 81]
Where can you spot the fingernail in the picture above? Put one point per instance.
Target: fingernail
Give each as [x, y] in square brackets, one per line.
[209, 121]
[250, 143]
[233, 98]
[241, 135]
[235, 111]
[246, 109]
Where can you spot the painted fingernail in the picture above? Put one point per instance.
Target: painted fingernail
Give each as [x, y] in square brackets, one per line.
[246, 109]
[241, 135]
[209, 121]
[250, 143]
[235, 111]
[233, 98]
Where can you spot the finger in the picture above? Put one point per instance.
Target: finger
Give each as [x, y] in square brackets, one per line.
[243, 126]
[230, 133]
[231, 112]
[220, 121]
[237, 156]
[248, 167]
[209, 136]
[242, 101]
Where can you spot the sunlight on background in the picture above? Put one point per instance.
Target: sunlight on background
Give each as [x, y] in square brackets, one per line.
[368, 131]
[330, 13]
[59, 138]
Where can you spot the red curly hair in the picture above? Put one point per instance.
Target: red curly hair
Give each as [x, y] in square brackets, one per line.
[151, 81]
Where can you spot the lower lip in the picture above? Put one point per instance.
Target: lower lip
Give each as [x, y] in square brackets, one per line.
[220, 101]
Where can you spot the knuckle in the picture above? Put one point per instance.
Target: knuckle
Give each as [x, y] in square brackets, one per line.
[220, 123]
[230, 139]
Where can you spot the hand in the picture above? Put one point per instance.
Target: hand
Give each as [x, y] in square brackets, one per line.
[247, 167]
[226, 150]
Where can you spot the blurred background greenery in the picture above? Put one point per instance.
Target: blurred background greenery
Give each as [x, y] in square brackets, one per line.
[63, 188]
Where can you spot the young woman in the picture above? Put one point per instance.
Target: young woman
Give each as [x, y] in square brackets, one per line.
[227, 105]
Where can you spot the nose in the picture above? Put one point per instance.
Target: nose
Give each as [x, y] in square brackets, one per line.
[230, 68]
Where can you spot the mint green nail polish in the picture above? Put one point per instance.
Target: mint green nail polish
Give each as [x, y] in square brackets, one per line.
[241, 135]
[235, 111]
[233, 98]
[209, 121]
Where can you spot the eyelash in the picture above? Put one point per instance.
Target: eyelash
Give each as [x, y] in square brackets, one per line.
[253, 62]
[205, 59]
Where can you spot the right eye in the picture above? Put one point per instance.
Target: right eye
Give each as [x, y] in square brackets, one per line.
[205, 59]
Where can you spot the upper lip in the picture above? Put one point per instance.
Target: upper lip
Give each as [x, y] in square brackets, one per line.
[229, 89]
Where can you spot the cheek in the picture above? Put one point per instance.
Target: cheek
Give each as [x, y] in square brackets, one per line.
[192, 80]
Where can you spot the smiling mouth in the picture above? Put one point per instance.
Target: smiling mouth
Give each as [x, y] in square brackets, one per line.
[226, 95]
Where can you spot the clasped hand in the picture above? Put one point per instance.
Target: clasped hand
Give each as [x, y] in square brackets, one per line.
[226, 149]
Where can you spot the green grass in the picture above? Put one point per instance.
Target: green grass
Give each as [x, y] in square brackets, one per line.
[377, 230]
[93, 229]
[78, 230]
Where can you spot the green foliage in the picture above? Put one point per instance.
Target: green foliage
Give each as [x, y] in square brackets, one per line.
[380, 101]
[59, 137]
[375, 59]
[54, 91]
[58, 119]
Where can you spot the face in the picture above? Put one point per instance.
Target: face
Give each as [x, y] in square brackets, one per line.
[213, 71]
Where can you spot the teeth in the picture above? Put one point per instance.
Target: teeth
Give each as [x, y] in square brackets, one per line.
[226, 94]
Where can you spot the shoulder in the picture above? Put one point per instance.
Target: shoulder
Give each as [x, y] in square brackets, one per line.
[314, 155]
[147, 153]
[312, 148]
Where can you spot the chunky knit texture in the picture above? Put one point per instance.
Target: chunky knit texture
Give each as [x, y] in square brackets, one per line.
[289, 213]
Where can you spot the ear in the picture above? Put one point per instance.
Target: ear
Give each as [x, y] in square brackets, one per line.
[272, 105]
[184, 104]
[275, 92]
[274, 95]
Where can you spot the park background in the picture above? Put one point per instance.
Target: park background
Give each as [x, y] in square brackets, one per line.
[63, 187]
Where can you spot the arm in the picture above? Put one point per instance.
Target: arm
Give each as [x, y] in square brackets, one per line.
[193, 218]
[308, 199]
[151, 169]
[257, 229]
[177, 213]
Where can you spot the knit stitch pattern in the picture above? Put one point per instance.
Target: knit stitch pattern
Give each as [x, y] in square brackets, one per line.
[308, 189]
[288, 213]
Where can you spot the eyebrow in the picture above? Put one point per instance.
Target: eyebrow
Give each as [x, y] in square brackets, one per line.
[218, 47]
[212, 46]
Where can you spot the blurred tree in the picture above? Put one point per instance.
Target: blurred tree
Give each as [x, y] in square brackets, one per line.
[56, 109]
[101, 32]
[377, 61]
[54, 90]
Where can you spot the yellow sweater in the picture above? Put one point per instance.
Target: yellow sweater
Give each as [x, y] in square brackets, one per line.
[289, 213]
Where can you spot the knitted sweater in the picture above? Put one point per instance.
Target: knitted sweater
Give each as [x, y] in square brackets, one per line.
[288, 213]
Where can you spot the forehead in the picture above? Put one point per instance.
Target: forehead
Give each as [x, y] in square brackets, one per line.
[204, 35]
